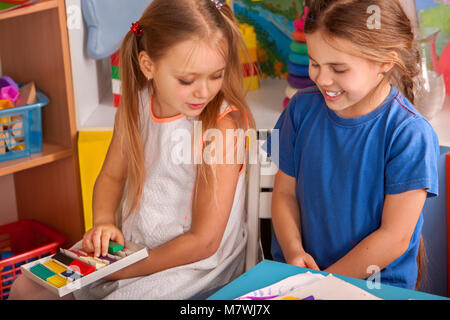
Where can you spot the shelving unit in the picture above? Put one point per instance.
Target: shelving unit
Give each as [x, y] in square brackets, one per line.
[34, 47]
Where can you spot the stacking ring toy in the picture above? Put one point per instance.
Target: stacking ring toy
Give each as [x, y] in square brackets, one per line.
[299, 59]
[299, 82]
[299, 35]
[299, 48]
[298, 70]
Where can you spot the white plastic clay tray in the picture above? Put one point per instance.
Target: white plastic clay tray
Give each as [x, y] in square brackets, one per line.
[134, 253]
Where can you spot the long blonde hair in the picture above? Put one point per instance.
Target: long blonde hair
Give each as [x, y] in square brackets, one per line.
[347, 19]
[166, 23]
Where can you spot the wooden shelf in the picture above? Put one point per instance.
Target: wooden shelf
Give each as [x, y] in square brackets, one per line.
[37, 7]
[34, 47]
[50, 153]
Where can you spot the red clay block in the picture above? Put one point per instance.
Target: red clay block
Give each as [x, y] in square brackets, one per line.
[84, 268]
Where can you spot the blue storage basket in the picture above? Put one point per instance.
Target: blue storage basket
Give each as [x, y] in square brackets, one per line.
[21, 129]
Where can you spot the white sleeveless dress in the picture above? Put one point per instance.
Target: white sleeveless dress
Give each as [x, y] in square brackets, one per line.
[165, 213]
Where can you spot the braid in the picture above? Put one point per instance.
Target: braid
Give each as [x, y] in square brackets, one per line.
[406, 72]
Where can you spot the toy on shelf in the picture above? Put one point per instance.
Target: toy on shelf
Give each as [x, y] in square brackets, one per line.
[8, 5]
[298, 66]
[20, 119]
[71, 269]
[250, 62]
[27, 95]
[9, 91]
[115, 78]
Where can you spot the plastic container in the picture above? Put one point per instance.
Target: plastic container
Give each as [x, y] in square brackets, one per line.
[24, 241]
[21, 129]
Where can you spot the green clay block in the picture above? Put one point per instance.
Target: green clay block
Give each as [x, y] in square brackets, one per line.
[114, 247]
[42, 272]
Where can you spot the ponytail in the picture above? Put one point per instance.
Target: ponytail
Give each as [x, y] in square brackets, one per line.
[406, 70]
[165, 24]
[128, 120]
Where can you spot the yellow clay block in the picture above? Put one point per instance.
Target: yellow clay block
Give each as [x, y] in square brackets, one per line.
[57, 281]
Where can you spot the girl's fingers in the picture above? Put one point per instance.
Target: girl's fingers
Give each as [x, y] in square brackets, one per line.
[312, 264]
[105, 242]
[88, 246]
[97, 241]
[118, 237]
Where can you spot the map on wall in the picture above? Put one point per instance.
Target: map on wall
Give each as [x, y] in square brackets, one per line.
[273, 21]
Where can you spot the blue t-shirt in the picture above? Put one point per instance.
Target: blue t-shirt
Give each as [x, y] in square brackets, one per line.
[344, 167]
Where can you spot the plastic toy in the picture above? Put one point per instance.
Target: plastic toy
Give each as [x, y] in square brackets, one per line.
[299, 59]
[299, 48]
[299, 35]
[27, 95]
[299, 24]
[298, 70]
[9, 93]
[250, 63]
[115, 78]
[6, 104]
[7, 81]
[299, 82]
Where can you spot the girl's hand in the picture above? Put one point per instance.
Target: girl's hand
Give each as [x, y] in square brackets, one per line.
[97, 239]
[303, 260]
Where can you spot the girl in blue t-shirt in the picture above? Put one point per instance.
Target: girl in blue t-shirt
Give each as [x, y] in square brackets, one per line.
[356, 159]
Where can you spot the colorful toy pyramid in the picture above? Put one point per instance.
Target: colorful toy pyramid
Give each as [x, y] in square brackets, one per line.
[298, 66]
[115, 75]
[250, 61]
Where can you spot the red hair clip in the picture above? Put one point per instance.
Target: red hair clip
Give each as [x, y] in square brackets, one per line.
[136, 29]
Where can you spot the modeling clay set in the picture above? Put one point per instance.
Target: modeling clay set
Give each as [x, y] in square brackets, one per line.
[71, 269]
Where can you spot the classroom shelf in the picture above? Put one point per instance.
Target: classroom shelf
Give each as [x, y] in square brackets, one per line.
[50, 153]
[37, 7]
[35, 47]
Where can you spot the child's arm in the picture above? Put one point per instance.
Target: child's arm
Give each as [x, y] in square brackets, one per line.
[400, 215]
[209, 220]
[106, 198]
[286, 221]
